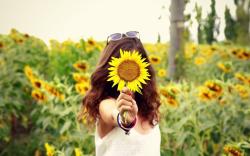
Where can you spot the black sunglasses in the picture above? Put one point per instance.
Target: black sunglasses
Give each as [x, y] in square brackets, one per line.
[118, 36]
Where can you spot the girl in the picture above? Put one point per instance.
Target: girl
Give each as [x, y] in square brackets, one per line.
[103, 105]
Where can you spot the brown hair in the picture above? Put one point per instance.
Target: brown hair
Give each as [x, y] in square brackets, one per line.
[148, 103]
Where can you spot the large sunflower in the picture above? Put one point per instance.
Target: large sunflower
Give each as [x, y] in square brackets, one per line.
[128, 70]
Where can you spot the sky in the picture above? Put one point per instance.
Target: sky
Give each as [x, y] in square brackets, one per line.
[75, 19]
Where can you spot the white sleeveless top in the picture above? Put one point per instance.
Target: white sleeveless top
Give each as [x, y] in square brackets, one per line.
[117, 143]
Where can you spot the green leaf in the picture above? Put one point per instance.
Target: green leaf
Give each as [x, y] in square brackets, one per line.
[65, 127]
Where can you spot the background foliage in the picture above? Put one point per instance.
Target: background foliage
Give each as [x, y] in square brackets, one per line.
[206, 113]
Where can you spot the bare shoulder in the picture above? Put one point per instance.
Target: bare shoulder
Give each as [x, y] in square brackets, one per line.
[108, 101]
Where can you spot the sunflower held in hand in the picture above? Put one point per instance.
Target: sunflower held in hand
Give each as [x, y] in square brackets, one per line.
[129, 70]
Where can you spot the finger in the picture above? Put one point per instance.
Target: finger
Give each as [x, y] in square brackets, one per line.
[126, 91]
[133, 102]
[124, 108]
[125, 97]
[120, 96]
[124, 102]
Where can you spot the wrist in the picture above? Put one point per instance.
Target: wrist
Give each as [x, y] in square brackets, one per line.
[126, 128]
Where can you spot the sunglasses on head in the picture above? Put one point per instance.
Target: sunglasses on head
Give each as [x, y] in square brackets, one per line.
[118, 36]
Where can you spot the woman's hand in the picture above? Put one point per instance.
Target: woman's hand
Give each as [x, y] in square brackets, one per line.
[125, 103]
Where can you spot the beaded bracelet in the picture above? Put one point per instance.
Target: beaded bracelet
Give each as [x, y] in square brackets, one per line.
[127, 128]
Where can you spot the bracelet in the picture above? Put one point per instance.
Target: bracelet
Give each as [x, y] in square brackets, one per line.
[127, 128]
[132, 124]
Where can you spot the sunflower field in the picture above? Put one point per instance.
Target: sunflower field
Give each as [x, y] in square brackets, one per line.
[41, 87]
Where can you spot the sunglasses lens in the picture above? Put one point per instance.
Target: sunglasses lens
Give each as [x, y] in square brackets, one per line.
[115, 36]
[132, 33]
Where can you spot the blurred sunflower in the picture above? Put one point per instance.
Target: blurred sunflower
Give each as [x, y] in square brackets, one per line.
[205, 94]
[241, 54]
[77, 152]
[82, 88]
[243, 78]
[210, 90]
[128, 70]
[154, 59]
[38, 95]
[199, 60]
[81, 66]
[232, 150]
[53, 91]
[28, 72]
[172, 102]
[170, 96]
[78, 77]
[50, 150]
[162, 73]
[224, 67]
[214, 86]
[91, 42]
[240, 77]
[36, 83]
[190, 50]
[91, 45]
[242, 90]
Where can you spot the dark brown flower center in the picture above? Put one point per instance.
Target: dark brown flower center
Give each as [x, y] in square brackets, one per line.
[82, 66]
[128, 70]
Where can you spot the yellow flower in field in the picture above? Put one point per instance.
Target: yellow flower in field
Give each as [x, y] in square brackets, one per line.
[91, 45]
[170, 96]
[224, 68]
[214, 87]
[240, 76]
[162, 73]
[53, 91]
[190, 50]
[128, 70]
[38, 95]
[81, 66]
[243, 78]
[61, 97]
[210, 90]
[50, 150]
[164, 92]
[91, 42]
[154, 59]
[28, 72]
[150, 48]
[172, 102]
[82, 88]
[36, 83]
[78, 77]
[205, 94]
[232, 150]
[242, 90]
[199, 60]
[241, 54]
[77, 152]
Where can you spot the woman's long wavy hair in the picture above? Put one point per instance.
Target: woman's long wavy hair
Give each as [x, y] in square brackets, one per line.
[148, 103]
